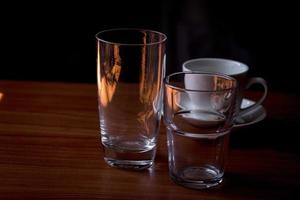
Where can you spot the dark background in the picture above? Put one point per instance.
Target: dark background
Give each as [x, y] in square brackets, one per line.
[54, 41]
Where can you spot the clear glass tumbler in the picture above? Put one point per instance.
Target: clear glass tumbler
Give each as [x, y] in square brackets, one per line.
[130, 72]
[198, 114]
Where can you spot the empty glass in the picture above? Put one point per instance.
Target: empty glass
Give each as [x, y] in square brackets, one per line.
[130, 71]
[198, 114]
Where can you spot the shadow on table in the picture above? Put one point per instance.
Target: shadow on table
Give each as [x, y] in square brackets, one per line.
[256, 187]
[277, 134]
[269, 154]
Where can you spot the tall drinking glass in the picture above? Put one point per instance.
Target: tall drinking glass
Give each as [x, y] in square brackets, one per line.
[198, 113]
[130, 71]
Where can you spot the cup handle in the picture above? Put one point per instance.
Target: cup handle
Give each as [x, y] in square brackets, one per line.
[252, 81]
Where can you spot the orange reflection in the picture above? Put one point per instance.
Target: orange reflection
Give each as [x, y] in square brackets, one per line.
[108, 82]
[150, 84]
[143, 96]
[108, 87]
[222, 83]
[173, 98]
[1, 95]
[98, 65]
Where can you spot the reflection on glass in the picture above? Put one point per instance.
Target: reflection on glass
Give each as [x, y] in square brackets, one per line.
[1, 95]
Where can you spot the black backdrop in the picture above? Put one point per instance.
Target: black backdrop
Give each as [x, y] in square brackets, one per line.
[55, 41]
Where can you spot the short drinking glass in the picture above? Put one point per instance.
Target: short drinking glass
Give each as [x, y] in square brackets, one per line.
[198, 118]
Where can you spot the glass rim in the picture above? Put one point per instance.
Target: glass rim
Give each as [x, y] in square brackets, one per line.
[168, 84]
[130, 29]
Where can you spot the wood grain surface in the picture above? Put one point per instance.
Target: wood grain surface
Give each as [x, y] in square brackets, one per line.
[50, 149]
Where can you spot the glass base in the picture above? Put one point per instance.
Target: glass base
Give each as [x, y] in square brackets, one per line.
[129, 164]
[198, 177]
[136, 160]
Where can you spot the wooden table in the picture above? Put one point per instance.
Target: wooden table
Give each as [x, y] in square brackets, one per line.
[50, 149]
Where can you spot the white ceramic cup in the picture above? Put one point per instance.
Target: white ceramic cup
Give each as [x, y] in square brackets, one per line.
[232, 68]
